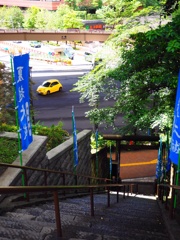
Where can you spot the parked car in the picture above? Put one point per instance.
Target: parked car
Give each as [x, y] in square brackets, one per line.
[35, 44]
[49, 86]
[65, 50]
[88, 56]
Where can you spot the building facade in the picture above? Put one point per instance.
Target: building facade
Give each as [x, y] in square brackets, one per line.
[51, 5]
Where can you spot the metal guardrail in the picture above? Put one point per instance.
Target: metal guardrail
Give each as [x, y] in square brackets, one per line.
[163, 190]
[54, 190]
[56, 35]
[56, 31]
[63, 174]
[107, 186]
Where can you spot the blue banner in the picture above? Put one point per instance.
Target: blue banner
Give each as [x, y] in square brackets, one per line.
[175, 141]
[75, 150]
[159, 166]
[21, 81]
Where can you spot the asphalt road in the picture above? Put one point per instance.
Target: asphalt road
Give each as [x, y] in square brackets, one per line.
[57, 107]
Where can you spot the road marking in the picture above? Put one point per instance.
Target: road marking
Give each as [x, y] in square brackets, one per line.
[138, 163]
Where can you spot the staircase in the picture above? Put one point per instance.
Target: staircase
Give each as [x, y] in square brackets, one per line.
[134, 217]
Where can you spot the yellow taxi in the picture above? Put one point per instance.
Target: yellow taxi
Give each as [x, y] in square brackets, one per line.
[49, 86]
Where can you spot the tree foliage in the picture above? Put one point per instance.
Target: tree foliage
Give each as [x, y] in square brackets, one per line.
[11, 17]
[7, 113]
[31, 17]
[146, 66]
[148, 76]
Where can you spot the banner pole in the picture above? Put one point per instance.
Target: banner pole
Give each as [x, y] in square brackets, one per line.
[17, 123]
[177, 179]
[75, 146]
[97, 164]
[110, 161]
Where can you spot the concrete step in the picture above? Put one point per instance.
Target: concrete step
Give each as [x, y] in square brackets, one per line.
[133, 218]
[12, 227]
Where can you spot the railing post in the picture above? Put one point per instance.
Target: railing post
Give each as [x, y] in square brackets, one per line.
[92, 201]
[131, 188]
[128, 190]
[162, 194]
[89, 181]
[171, 210]
[124, 191]
[45, 181]
[64, 182]
[45, 178]
[108, 198]
[118, 194]
[166, 197]
[25, 183]
[57, 214]
[137, 188]
[75, 179]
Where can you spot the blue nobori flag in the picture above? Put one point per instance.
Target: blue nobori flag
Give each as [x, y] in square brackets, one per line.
[21, 81]
[175, 141]
[159, 166]
[75, 150]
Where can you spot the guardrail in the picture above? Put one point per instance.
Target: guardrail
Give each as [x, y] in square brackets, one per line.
[54, 190]
[56, 31]
[107, 186]
[163, 190]
[62, 174]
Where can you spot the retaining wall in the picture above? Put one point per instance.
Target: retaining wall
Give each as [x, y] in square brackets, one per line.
[59, 158]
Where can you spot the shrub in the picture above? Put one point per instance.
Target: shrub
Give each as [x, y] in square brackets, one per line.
[8, 150]
[56, 135]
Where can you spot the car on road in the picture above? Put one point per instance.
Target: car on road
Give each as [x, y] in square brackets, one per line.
[49, 86]
[35, 44]
[88, 56]
[65, 50]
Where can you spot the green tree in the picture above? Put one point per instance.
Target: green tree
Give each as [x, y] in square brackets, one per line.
[72, 21]
[7, 113]
[71, 3]
[60, 15]
[2, 16]
[114, 12]
[31, 17]
[12, 17]
[67, 18]
[45, 20]
[148, 76]
[144, 67]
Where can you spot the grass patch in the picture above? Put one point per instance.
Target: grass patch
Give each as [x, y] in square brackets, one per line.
[8, 150]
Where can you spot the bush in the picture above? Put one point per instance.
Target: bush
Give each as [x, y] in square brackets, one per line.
[56, 135]
[8, 150]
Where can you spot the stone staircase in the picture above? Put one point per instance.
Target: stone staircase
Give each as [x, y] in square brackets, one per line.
[134, 217]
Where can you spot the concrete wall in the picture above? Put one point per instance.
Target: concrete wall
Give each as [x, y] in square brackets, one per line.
[100, 164]
[59, 158]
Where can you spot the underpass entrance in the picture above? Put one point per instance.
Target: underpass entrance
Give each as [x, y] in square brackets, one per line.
[128, 150]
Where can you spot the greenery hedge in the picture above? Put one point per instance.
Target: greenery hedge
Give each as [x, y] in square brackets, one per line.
[9, 147]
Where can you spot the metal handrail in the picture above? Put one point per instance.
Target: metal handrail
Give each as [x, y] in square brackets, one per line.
[55, 189]
[161, 189]
[63, 173]
[56, 31]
